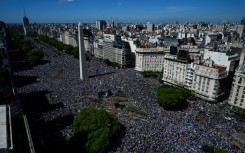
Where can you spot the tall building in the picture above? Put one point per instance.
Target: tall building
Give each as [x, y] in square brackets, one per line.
[150, 27]
[101, 24]
[26, 24]
[209, 81]
[82, 58]
[243, 21]
[113, 49]
[174, 70]
[149, 59]
[237, 92]
[240, 30]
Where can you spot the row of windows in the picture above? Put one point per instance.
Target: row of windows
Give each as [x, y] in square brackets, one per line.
[236, 103]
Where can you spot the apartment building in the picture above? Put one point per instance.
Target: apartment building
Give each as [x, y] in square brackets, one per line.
[190, 69]
[209, 81]
[229, 59]
[237, 92]
[69, 38]
[150, 27]
[114, 50]
[149, 59]
[174, 70]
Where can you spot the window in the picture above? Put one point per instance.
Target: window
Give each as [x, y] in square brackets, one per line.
[240, 80]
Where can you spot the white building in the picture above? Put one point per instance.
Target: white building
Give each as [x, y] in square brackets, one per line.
[149, 27]
[149, 59]
[115, 51]
[190, 69]
[240, 29]
[184, 35]
[209, 81]
[237, 93]
[174, 70]
[227, 59]
[68, 38]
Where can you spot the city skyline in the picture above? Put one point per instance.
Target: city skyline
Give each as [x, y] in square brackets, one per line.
[65, 11]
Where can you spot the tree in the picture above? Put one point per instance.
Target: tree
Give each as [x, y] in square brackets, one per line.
[99, 127]
[32, 34]
[34, 56]
[110, 63]
[219, 150]
[171, 97]
[211, 149]
[25, 45]
[75, 52]
[208, 148]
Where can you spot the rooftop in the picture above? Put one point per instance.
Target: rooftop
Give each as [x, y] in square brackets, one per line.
[218, 67]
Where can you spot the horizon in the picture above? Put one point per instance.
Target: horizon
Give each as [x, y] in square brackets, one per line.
[125, 11]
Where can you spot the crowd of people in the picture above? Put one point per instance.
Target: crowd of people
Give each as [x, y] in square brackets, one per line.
[161, 131]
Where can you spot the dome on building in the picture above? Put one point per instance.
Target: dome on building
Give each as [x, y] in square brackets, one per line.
[241, 69]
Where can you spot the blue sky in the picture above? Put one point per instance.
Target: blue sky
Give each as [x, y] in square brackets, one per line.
[88, 11]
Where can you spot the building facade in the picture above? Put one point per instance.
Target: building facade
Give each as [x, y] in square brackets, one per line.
[116, 51]
[149, 59]
[209, 81]
[225, 58]
[150, 27]
[174, 70]
[101, 24]
[237, 92]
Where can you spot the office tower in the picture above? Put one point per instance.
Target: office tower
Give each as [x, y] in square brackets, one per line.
[150, 27]
[26, 25]
[82, 58]
[243, 21]
[101, 24]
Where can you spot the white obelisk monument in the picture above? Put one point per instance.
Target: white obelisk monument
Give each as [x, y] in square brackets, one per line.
[82, 57]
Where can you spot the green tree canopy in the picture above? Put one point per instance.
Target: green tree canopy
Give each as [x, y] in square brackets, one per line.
[34, 56]
[211, 149]
[75, 52]
[99, 127]
[110, 63]
[171, 97]
[25, 45]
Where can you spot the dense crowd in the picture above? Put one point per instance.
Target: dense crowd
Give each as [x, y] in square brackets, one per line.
[162, 130]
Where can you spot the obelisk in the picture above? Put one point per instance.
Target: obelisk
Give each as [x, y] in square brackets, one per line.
[82, 57]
